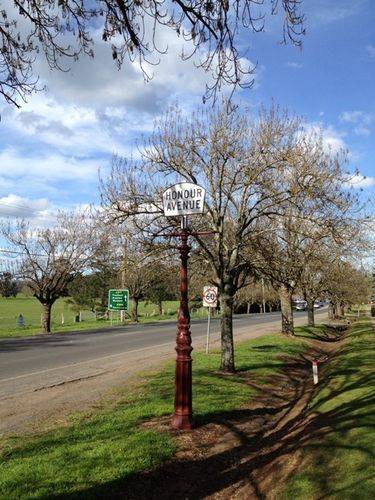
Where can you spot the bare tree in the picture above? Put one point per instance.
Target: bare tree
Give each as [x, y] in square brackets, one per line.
[316, 277]
[64, 30]
[319, 211]
[259, 292]
[9, 287]
[244, 165]
[314, 280]
[347, 286]
[163, 283]
[50, 258]
[137, 272]
[105, 261]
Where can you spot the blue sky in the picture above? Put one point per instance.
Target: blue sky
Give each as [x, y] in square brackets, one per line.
[51, 149]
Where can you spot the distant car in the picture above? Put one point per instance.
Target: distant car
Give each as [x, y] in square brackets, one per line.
[299, 304]
[318, 303]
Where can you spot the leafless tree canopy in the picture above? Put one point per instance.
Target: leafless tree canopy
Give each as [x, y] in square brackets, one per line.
[50, 258]
[346, 285]
[63, 29]
[271, 190]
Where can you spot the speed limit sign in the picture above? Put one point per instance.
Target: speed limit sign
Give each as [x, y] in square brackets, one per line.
[210, 296]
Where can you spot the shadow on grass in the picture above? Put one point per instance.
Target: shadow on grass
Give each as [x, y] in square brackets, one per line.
[324, 333]
[285, 421]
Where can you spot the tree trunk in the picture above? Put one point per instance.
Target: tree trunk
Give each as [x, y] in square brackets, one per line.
[46, 322]
[335, 310]
[342, 310]
[227, 345]
[287, 325]
[331, 312]
[135, 301]
[248, 307]
[160, 307]
[310, 312]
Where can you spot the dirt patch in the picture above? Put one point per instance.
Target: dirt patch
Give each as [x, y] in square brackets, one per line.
[247, 453]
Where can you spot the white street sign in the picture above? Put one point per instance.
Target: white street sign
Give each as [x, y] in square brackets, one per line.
[185, 198]
[210, 296]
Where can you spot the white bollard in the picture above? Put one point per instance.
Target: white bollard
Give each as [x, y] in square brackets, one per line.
[315, 371]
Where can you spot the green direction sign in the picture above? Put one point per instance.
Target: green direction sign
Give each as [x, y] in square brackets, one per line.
[118, 300]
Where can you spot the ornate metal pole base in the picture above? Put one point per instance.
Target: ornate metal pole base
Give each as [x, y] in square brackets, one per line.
[183, 412]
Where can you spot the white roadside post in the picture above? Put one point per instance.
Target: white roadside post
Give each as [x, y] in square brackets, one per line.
[209, 300]
[315, 371]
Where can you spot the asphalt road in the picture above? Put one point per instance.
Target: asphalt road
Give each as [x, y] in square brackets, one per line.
[50, 359]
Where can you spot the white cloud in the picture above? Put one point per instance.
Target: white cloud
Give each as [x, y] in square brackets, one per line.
[333, 141]
[329, 11]
[96, 83]
[96, 110]
[53, 167]
[17, 206]
[68, 128]
[357, 117]
[360, 119]
[363, 131]
[359, 181]
[40, 212]
[294, 65]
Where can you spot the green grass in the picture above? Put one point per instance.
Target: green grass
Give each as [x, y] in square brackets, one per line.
[105, 447]
[30, 308]
[363, 308]
[338, 459]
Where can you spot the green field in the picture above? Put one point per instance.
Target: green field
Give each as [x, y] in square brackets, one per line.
[30, 308]
[95, 454]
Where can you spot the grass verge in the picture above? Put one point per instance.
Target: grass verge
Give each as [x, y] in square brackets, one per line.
[105, 447]
[338, 459]
[63, 316]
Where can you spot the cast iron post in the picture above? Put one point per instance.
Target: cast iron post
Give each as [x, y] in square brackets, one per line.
[183, 411]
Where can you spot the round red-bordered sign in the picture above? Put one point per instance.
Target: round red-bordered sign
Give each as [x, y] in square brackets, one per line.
[209, 296]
